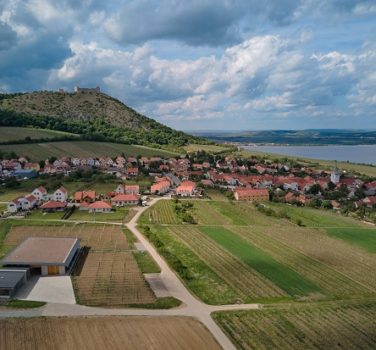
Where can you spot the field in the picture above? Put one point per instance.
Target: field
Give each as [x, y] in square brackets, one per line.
[42, 151]
[110, 333]
[206, 148]
[321, 326]
[15, 133]
[107, 273]
[248, 256]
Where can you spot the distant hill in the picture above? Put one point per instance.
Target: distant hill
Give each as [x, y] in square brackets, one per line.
[93, 115]
[295, 137]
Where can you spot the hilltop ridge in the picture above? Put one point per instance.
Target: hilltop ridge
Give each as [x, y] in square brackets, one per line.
[94, 115]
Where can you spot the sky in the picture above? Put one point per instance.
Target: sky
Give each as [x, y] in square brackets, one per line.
[202, 64]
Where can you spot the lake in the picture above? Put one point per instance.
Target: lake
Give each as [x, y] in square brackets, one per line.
[365, 154]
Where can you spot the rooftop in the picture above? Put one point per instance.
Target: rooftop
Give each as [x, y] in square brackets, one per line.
[9, 279]
[41, 250]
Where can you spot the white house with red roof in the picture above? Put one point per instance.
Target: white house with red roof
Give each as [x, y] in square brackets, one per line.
[60, 195]
[52, 206]
[121, 200]
[100, 207]
[127, 189]
[40, 193]
[22, 203]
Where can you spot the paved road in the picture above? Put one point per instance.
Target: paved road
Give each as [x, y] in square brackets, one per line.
[191, 305]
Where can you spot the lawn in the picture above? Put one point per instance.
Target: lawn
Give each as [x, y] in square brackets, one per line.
[42, 151]
[119, 214]
[281, 275]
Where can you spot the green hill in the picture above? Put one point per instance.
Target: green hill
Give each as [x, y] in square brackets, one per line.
[93, 115]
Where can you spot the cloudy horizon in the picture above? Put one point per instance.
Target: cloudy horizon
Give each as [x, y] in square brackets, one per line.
[202, 65]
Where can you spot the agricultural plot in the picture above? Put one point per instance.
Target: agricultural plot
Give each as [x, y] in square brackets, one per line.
[248, 284]
[111, 278]
[161, 213]
[118, 215]
[331, 282]
[318, 326]
[353, 262]
[281, 275]
[206, 215]
[361, 237]
[110, 333]
[102, 238]
[40, 151]
[8, 134]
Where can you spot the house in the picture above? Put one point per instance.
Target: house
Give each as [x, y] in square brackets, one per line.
[186, 189]
[40, 193]
[128, 189]
[52, 206]
[370, 201]
[125, 199]
[251, 194]
[161, 187]
[60, 195]
[100, 207]
[29, 202]
[207, 183]
[14, 205]
[84, 196]
[44, 255]
[131, 172]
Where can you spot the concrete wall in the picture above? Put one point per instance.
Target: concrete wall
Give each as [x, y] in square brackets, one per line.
[61, 270]
[44, 270]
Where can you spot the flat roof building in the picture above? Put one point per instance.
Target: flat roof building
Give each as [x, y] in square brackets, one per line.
[10, 282]
[44, 255]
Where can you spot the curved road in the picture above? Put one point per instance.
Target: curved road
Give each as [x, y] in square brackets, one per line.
[191, 305]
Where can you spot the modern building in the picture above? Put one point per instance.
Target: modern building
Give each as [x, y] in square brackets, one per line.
[25, 173]
[10, 282]
[44, 255]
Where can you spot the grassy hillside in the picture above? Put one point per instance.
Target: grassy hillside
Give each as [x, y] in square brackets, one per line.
[94, 115]
[41, 151]
[10, 134]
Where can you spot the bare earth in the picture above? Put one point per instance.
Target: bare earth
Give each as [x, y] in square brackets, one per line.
[110, 333]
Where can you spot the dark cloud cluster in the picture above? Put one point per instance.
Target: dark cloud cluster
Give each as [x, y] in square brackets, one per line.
[231, 59]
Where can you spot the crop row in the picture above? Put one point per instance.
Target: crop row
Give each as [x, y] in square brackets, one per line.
[328, 279]
[247, 282]
[310, 327]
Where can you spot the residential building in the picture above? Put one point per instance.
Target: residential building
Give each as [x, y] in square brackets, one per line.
[186, 189]
[121, 200]
[251, 194]
[60, 195]
[100, 207]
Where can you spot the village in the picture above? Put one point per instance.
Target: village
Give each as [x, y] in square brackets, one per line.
[255, 179]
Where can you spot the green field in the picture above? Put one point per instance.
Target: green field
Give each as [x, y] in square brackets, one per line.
[281, 275]
[17, 134]
[207, 148]
[117, 215]
[315, 326]
[42, 151]
[260, 258]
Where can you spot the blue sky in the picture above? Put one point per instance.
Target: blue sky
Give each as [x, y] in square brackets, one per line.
[202, 64]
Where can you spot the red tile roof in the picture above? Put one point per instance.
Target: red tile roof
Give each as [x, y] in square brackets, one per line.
[125, 198]
[100, 205]
[53, 205]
